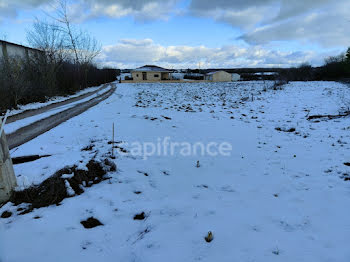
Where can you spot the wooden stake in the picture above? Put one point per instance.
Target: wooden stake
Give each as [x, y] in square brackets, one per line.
[4, 122]
[113, 142]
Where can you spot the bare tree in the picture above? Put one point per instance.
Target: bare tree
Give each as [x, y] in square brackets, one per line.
[3, 36]
[83, 47]
[50, 39]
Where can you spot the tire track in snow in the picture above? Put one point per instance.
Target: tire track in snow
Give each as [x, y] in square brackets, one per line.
[27, 133]
[40, 110]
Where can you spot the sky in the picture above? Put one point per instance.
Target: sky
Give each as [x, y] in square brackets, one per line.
[197, 33]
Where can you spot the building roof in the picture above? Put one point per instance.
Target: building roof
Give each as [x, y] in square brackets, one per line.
[151, 68]
[26, 47]
[214, 72]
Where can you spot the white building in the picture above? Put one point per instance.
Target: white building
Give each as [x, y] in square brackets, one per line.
[151, 73]
[236, 77]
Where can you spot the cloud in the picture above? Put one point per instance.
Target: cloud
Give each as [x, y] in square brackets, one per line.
[131, 53]
[141, 10]
[324, 22]
[328, 27]
[321, 22]
[10, 8]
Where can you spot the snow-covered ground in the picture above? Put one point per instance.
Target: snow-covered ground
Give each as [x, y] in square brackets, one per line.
[279, 196]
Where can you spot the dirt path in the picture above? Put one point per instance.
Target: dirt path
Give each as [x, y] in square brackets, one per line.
[27, 133]
[37, 111]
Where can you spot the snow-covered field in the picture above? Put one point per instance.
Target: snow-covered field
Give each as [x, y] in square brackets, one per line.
[279, 196]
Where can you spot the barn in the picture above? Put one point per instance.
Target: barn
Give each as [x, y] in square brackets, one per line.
[151, 73]
[218, 76]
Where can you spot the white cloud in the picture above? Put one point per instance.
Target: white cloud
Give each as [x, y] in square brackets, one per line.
[131, 53]
[10, 8]
[323, 22]
[328, 26]
[141, 10]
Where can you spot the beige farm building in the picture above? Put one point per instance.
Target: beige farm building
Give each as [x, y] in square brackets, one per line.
[151, 73]
[219, 76]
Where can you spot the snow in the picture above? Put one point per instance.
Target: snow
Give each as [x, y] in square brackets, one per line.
[70, 191]
[66, 176]
[151, 69]
[278, 197]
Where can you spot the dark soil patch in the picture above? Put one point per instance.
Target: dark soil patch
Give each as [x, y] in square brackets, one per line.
[112, 166]
[88, 148]
[140, 216]
[345, 176]
[53, 190]
[115, 142]
[6, 214]
[144, 173]
[166, 117]
[121, 149]
[290, 130]
[91, 222]
[25, 159]
[166, 173]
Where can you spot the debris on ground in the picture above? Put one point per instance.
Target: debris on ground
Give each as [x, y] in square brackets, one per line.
[91, 222]
[140, 216]
[54, 189]
[209, 237]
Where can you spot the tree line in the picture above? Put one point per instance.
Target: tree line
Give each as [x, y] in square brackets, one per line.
[335, 68]
[63, 64]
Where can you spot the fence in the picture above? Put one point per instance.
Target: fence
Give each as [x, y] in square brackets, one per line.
[7, 174]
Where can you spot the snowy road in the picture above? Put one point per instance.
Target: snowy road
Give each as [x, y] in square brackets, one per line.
[24, 130]
[280, 196]
[22, 114]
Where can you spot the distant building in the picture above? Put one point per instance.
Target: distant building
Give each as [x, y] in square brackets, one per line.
[151, 73]
[236, 77]
[8, 50]
[219, 76]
